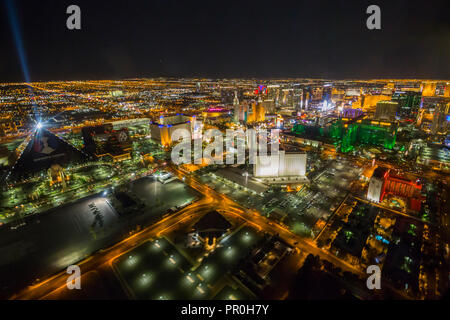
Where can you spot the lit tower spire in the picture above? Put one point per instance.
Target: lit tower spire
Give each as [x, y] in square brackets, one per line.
[236, 99]
[236, 108]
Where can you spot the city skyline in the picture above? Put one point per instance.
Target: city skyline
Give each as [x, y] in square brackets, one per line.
[358, 174]
[225, 155]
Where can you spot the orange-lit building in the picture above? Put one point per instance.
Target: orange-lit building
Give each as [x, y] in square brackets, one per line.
[256, 112]
[429, 89]
[383, 182]
[163, 129]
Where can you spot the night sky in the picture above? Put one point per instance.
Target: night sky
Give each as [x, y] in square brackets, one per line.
[227, 39]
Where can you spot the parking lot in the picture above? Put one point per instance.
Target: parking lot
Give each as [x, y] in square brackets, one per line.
[303, 210]
[157, 269]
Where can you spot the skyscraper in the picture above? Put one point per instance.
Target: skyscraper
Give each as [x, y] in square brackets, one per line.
[236, 108]
[441, 118]
[386, 110]
[280, 165]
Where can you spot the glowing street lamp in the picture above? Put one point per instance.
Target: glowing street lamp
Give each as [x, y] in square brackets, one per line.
[189, 278]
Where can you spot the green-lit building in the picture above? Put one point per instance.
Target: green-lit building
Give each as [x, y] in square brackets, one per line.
[346, 136]
[408, 103]
[369, 133]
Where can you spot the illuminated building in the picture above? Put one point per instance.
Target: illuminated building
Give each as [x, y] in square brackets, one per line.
[117, 125]
[279, 121]
[428, 89]
[235, 108]
[383, 182]
[326, 94]
[408, 103]
[308, 130]
[243, 111]
[435, 156]
[287, 98]
[337, 94]
[441, 118]
[313, 135]
[293, 138]
[103, 140]
[269, 105]
[369, 102]
[352, 92]
[348, 135]
[255, 112]
[375, 133]
[307, 99]
[214, 112]
[317, 93]
[386, 110]
[40, 151]
[352, 113]
[261, 90]
[228, 94]
[301, 104]
[260, 112]
[447, 91]
[297, 99]
[290, 167]
[388, 88]
[375, 191]
[162, 130]
[211, 227]
[271, 98]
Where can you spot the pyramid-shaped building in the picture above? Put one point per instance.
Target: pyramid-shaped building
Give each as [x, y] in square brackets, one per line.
[43, 149]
